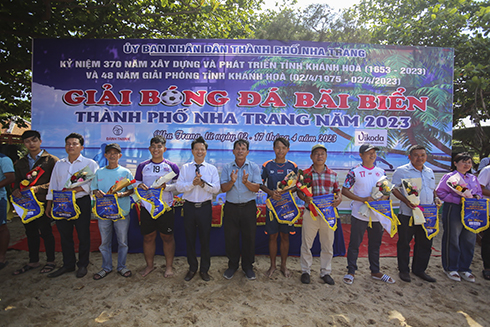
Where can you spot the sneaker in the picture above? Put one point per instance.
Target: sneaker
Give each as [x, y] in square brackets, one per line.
[328, 280]
[229, 273]
[305, 278]
[249, 273]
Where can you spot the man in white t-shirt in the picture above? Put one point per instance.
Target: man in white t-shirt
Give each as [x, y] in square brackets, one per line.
[357, 186]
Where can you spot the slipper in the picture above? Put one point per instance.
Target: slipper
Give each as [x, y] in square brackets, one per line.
[348, 279]
[3, 264]
[49, 267]
[486, 274]
[101, 274]
[125, 272]
[24, 269]
[385, 278]
[453, 275]
[467, 276]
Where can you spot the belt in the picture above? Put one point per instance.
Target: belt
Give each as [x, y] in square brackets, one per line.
[242, 204]
[198, 204]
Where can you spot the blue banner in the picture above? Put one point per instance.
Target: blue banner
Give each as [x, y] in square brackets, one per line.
[107, 208]
[431, 225]
[151, 199]
[474, 214]
[339, 94]
[324, 208]
[64, 205]
[285, 210]
[27, 206]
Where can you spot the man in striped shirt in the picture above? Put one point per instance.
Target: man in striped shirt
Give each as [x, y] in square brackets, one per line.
[323, 181]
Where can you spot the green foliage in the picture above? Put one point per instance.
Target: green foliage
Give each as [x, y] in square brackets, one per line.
[22, 20]
[459, 24]
[317, 22]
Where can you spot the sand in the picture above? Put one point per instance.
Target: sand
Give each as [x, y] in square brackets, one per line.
[33, 299]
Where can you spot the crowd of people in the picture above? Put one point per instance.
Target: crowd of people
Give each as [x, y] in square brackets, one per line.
[199, 181]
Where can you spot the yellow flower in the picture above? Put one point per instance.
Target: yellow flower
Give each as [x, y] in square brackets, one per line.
[459, 188]
[290, 182]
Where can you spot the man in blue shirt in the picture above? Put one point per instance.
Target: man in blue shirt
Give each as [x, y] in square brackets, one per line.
[105, 178]
[7, 177]
[422, 249]
[241, 181]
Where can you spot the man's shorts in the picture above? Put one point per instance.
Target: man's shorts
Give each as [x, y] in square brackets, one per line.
[3, 211]
[273, 226]
[164, 224]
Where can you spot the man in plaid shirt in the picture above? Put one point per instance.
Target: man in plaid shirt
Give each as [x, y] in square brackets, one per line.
[324, 181]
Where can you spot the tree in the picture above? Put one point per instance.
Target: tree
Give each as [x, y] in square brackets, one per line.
[317, 22]
[21, 21]
[460, 24]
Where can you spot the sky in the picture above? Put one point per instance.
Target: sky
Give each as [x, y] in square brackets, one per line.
[336, 4]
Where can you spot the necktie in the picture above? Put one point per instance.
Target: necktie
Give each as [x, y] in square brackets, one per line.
[197, 168]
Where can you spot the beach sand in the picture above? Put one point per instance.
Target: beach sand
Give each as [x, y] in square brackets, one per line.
[32, 299]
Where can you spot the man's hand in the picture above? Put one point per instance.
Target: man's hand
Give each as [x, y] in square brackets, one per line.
[99, 193]
[48, 209]
[437, 202]
[244, 177]
[276, 195]
[143, 186]
[163, 186]
[16, 193]
[197, 180]
[336, 200]
[234, 175]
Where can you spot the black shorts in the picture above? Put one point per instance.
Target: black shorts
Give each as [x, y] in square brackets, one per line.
[164, 224]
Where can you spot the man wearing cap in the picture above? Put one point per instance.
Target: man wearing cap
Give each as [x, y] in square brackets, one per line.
[422, 249]
[148, 172]
[198, 180]
[104, 179]
[241, 181]
[40, 227]
[358, 186]
[324, 181]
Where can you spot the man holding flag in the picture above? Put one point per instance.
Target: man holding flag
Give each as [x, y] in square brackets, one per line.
[406, 231]
[324, 181]
[358, 186]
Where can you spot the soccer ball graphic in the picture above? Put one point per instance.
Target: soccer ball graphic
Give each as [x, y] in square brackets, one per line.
[171, 97]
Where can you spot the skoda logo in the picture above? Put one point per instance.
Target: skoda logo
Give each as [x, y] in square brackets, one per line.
[117, 130]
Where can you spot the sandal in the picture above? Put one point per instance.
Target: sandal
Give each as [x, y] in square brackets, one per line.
[24, 269]
[453, 275]
[467, 276]
[101, 274]
[348, 279]
[486, 274]
[49, 267]
[385, 278]
[125, 272]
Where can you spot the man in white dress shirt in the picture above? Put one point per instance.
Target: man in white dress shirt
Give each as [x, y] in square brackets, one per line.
[62, 171]
[198, 180]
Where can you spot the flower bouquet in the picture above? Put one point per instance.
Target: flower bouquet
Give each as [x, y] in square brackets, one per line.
[81, 177]
[119, 185]
[458, 186]
[31, 177]
[288, 182]
[411, 190]
[382, 188]
[304, 185]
